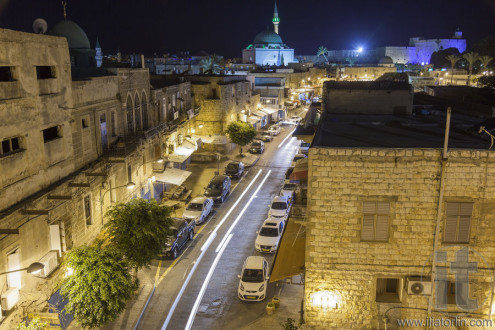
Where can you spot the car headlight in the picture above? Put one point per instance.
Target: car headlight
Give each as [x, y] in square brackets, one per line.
[242, 287]
[262, 287]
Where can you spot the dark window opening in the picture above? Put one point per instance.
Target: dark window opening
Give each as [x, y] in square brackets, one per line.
[50, 134]
[6, 73]
[87, 210]
[45, 72]
[9, 146]
[388, 290]
[84, 123]
[129, 173]
[112, 121]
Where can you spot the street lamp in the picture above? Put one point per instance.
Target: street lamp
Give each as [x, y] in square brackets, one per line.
[34, 269]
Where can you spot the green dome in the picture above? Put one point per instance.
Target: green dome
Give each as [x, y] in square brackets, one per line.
[76, 37]
[267, 37]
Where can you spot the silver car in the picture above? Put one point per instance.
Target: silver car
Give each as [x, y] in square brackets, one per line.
[198, 209]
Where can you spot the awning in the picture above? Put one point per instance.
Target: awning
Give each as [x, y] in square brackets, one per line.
[269, 110]
[253, 120]
[172, 176]
[290, 257]
[259, 113]
[300, 171]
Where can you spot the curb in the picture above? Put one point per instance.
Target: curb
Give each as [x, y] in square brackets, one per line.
[254, 163]
[143, 309]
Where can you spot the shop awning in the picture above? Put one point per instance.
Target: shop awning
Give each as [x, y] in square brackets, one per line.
[253, 120]
[172, 176]
[290, 257]
[269, 110]
[300, 171]
[259, 113]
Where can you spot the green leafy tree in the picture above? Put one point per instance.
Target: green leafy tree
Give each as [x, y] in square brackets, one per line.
[350, 60]
[487, 81]
[139, 230]
[34, 324]
[323, 51]
[439, 58]
[99, 286]
[471, 58]
[210, 64]
[485, 61]
[453, 59]
[485, 46]
[241, 133]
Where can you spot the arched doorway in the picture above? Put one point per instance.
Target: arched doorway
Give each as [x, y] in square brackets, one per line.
[144, 106]
[130, 115]
[137, 111]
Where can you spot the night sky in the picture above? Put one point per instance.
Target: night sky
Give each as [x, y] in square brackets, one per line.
[226, 26]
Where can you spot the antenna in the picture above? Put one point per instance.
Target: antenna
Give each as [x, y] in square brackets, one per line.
[64, 4]
[40, 26]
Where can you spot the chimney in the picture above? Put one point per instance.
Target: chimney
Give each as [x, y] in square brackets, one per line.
[142, 61]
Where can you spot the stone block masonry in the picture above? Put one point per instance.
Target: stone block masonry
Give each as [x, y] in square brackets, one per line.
[339, 261]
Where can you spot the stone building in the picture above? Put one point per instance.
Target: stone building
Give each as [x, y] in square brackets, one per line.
[74, 140]
[223, 99]
[364, 72]
[383, 196]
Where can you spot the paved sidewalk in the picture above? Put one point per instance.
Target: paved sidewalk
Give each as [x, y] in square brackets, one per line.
[290, 296]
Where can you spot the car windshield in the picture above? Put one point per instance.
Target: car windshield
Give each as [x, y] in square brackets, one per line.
[289, 186]
[232, 167]
[215, 185]
[195, 207]
[252, 275]
[305, 145]
[269, 232]
[279, 206]
[256, 144]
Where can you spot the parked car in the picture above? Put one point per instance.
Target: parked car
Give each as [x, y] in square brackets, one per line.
[253, 279]
[295, 119]
[198, 209]
[234, 169]
[296, 158]
[279, 208]
[274, 130]
[289, 190]
[257, 147]
[218, 188]
[269, 235]
[266, 138]
[183, 231]
[304, 148]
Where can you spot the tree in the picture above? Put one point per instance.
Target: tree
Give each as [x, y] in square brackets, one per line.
[351, 60]
[210, 64]
[485, 61]
[99, 286]
[323, 51]
[139, 229]
[439, 58]
[34, 324]
[241, 133]
[487, 81]
[453, 59]
[471, 58]
[485, 46]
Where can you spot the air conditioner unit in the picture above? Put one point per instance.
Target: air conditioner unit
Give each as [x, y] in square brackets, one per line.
[418, 286]
[10, 299]
[50, 260]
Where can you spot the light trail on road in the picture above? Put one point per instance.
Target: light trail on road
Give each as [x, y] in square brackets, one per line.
[288, 135]
[204, 249]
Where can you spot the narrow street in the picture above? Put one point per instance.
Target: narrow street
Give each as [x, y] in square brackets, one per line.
[225, 240]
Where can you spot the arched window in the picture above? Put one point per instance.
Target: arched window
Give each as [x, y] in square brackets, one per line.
[137, 111]
[144, 107]
[130, 115]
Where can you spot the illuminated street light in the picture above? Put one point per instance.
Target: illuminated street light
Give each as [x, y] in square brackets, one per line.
[200, 126]
[130, 185]
[34, 269]
[360, 50]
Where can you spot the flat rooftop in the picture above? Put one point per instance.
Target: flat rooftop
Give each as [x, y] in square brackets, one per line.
[392, 131]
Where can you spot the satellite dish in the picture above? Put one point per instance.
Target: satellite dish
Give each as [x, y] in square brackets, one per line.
[40, 26]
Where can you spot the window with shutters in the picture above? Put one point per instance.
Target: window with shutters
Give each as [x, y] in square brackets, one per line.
[458, 222]
[87, 210]
[388, 290]
[375, 221]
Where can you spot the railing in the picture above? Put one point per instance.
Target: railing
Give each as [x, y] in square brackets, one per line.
[155, 130]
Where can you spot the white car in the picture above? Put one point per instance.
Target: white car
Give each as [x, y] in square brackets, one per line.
[279, 208]
[296, 119]
[269, 235]
[289, 190]
[296, 158]
[253, 279]
[304, 148]
[198, 209]
[274, 130]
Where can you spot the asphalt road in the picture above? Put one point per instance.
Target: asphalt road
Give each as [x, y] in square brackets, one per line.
[199, 289]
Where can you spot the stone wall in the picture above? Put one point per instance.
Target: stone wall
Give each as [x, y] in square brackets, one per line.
[338, 261]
